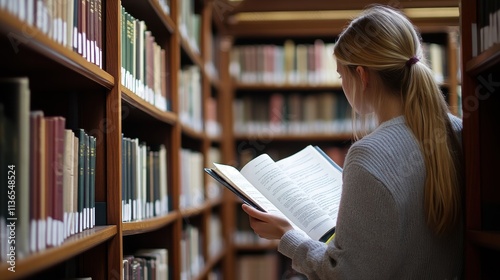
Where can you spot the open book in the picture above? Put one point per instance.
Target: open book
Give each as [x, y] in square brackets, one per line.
[305, 188]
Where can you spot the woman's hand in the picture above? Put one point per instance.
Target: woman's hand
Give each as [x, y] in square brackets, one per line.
[267, 225]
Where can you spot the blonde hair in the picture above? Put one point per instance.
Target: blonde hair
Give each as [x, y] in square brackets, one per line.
[385, 42]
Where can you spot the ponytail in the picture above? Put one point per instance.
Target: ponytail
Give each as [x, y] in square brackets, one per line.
[426, 113]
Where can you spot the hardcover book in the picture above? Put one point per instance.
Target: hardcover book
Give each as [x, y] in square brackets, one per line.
[304, 188]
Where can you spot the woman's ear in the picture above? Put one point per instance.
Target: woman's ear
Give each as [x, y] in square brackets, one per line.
[363, 76]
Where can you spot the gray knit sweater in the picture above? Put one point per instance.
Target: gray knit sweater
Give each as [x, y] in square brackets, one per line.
[381, 231]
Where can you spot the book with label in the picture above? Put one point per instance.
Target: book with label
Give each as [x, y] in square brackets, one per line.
[305, 188]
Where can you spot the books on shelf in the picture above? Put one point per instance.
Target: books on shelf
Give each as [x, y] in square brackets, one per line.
[144, 180]
[293, 113]
[191, 248]
[291, 63]
[264, 266]
[189, 24]
[190, 97]
[75, 24]
[47, 161]
[212, 124]
[486, 31]
[192, 192]
[15, 168]
[146, 264]
[144, 62]
[304, 188]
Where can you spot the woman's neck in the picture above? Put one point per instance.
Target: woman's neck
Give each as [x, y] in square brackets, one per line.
[390, 107]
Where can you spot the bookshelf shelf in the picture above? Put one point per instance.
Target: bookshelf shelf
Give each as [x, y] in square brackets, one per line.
[74, 245]
[197, 210]
[484, 61]
[193, 134]
[485, 239]
[304, 137]
[27, 44]
[285, 87]
[138, 227]
[193, 55]
[214, 82]
[160, 23]
[214, 260]
[135, 101]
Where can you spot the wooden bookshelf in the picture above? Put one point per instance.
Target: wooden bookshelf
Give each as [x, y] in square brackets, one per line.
[74, 245]
[107, 109]
[480, 107]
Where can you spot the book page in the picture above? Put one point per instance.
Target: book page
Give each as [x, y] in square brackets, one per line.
[317, 177]
[289, 198]
[238, 181]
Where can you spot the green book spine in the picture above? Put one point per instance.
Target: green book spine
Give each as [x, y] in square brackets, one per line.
[81, 176]
[93, 156]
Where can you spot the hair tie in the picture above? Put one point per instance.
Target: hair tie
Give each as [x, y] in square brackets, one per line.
[412, 61]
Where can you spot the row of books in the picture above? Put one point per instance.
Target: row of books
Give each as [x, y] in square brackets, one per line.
[487, 29]
[212, 124]
[192, 260]
[215, 235]
[436, 57]
[50, 194]
[146, 264]
[306, 64]
[212, 64]
[189, 23]
[192, 193]
[214, 189]
[190, 97]
[144, 62]
[290, 63]
[75, 24]
[259, 266]
[144, 180]
[283, 114]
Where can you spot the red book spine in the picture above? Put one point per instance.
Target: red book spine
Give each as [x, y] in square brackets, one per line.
[49, 177]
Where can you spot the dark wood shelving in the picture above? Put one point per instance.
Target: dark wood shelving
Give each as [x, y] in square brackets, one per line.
[72, 246]
[27, 45]
[210, 264]
[147, 225]
[485, 239]
[158, 22]
[287, 87]
[480, 141]
[149, 109]
[484, 61]
[193, 55]
[197, 210]
[304, 137]
[192, 133]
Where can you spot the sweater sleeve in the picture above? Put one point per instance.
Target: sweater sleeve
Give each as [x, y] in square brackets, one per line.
[366, 233]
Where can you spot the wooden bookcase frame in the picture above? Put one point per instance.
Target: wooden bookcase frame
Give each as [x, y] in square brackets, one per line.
[98, 252]
[481, 151]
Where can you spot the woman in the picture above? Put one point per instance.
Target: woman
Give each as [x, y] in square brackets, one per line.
[400, 214]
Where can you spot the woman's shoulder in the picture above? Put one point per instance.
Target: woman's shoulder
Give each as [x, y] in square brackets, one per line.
[391, 141]
[456, 122]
